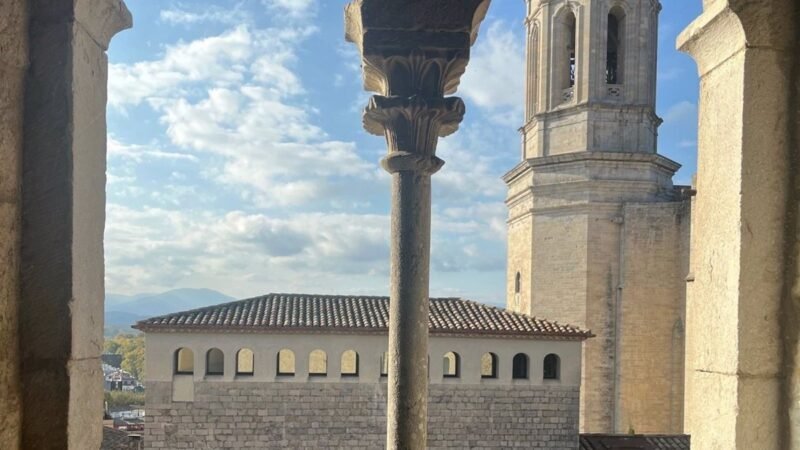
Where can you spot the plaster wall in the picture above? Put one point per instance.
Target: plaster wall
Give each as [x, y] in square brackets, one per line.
[160, 349]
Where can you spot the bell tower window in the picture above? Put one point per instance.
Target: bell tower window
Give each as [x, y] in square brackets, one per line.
[566, 63]
[615, 46]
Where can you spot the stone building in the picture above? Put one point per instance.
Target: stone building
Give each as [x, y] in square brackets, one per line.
[742, 386]
[304, 371]
[598, 235]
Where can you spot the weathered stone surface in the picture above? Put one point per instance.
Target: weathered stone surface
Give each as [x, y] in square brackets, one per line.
[13, 62]
[742, 329]
[412, 54]
[352, 416]
[63, 204]
[597, 232]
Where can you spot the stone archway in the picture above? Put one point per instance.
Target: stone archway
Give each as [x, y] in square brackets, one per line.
[52, 216]
[743, 316]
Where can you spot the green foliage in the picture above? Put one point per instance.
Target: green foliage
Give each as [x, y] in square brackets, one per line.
[124, 398]
[131, 347]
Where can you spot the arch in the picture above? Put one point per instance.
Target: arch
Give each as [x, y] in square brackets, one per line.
[532, 75]
[451, 365]
[519, 369]
[552, 367]
[385, 364]
[215, 362]
[489, 365]
[245, 362]
[615, 46]
[349, 363]
[565, 53]
[184, 361]
[285, 362]
[318, 363]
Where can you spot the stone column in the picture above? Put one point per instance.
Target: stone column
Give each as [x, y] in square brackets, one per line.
[13, 64]
[413, 53]
[742, 312]
[63, 219]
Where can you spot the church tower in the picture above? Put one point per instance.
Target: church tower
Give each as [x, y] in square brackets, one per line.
[598, 235]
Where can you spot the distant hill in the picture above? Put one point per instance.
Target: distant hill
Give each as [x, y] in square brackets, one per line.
[124, 310]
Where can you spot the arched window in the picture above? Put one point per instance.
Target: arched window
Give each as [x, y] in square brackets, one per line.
[385, 364]
[520, 366]
[215, 362]
[532, 74]
[245, 362]
[451, 365]
[184, 361]
[489, 365]
[318, 363]
[285, 362]
[552, 367]
[565, 51]
[350, 363]
[615, 46]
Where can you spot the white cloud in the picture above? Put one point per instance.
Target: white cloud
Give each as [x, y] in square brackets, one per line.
[495, 75]
[183, 15]
[161, 248]
[139, 153]
[293, 8]
[244, 104]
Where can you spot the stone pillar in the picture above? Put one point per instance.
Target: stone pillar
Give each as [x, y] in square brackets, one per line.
[63, 219]
[742, 314]
[13, 64]
[413, 53]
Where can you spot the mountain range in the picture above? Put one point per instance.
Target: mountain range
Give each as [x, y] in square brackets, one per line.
[125, 310]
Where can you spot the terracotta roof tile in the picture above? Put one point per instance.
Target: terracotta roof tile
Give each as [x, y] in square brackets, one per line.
[634, 442]
[300, 312]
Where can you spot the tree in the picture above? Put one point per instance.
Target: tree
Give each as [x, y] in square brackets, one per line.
[131, 347]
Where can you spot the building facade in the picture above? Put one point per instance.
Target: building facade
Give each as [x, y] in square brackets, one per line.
[598, 235]
[299, 371]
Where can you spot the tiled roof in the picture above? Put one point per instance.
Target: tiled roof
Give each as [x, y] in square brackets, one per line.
[117, 440]
[329, 313]
[634, 442]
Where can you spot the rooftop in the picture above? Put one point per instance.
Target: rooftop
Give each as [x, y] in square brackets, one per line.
[634, 442]
[355, 314]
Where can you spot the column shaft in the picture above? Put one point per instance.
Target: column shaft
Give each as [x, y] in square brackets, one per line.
[408, 311]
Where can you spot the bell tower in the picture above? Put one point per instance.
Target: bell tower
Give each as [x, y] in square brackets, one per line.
[597, 233]
[591, 77]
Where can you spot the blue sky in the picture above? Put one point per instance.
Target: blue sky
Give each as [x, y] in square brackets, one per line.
[237, 160]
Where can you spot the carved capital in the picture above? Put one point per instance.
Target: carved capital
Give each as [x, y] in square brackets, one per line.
[413, 53]
[412, 127]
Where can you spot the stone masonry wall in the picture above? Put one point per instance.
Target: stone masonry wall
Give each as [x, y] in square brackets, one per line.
[234, 415]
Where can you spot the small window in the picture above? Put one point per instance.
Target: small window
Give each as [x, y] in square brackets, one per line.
[489, 365]
[318, 363]
[385, 364]
[215, 362]
[245, 362]
[520, 366]
[350, 363]
[517, 283]
[184, 361]
[285, 362]
[615, 46]
[451, 365]
[552, 367]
